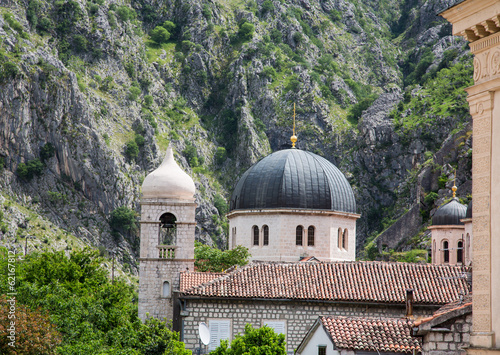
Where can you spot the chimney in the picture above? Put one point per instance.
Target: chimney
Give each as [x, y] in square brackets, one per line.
[409, 303]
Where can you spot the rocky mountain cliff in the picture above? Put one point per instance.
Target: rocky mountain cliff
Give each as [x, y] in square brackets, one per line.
[92, 93]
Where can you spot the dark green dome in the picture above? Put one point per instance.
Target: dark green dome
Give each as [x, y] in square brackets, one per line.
[449, 214]
[293, 178]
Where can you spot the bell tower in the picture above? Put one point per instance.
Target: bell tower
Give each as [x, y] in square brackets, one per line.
[167, 236]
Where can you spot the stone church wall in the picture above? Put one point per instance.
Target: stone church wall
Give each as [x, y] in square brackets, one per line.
[298, 316]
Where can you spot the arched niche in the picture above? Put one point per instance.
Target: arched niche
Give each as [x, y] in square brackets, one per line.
[167, 230]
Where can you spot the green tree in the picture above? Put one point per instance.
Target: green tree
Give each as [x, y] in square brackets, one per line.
[216, 260]
[123, 218]
[260, 341]
[131, 149]
[159, 35]
[169, 26]
[92, 314]
[47, 151]
[31, 169]
[246, 31]
[133, 93]
[220, 155]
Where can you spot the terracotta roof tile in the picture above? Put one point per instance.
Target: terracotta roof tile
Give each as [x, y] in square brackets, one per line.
[343, 281]
[191, 279]
[371, 334]
[447, 308]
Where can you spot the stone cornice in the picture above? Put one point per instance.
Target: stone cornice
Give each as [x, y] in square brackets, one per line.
[474, 19]
[292, 211]
[451, 226]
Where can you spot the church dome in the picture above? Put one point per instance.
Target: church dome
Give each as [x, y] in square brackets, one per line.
[168, 181]
[293, 178]
[449, 214]
[468, 214]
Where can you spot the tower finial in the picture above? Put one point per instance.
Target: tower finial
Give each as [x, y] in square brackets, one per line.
[293, 138]
[454, 188]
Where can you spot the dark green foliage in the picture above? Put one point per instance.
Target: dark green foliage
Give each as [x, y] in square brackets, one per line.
[9, 70]
[159, 35]
[246, 31]
[191, 155]
[133, 93]
[130, 69]
[442, 180]
[216, 260]
[93, 315]
[416, 74]
[431, 197]
[270, 72]
[123, 219]
[80, 43]
[229, 124]
[261, 341]
[47, 151]
[125, 13]
[267, 6]
[32, 12]
[2, 165]
[131, 150]
[220, 155]
[13, 23]
[187, 46]
[276, 36]
[356, 110]
[169, 26]
[335, 15]
[31, 169]
[45, 25]
[298, 37]
[293, 84]
[139, 140]
[207, 12]
[148, 100]
[220, 204]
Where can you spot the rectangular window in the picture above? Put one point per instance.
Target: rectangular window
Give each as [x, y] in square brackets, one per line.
[279, 327]
[321, 349]
[219, 330]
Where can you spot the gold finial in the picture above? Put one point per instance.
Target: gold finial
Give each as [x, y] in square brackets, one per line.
[293, 138]
[454, 188]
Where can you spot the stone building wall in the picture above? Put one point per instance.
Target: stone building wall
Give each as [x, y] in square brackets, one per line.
[449, 342]
[282, 228]
[157, 265]
[298, 316]
[452, 234]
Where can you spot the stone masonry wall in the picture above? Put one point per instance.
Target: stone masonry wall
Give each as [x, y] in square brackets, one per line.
[282, 234]
[155, 271]
[298, 316]
[452, 342]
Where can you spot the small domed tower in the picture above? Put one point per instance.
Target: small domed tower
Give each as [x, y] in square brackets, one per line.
[447, 233]
[167, 236]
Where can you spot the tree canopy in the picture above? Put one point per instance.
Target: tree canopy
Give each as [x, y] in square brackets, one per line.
[261, 341]
[80, 310]
[216, 260]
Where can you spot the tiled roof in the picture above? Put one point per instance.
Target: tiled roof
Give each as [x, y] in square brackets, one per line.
[447, 308]
[191, 279]
[371, 334]
[337, 281]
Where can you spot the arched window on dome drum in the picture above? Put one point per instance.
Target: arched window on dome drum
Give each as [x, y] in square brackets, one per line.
[299, 231]
[434, 252]
[339, 239]
[233, 242]
[167, 230]
[265, 232]
[255, 235]
[446, 252]
[310, 236]
[345, 240]
[165, 292]
[460, 252]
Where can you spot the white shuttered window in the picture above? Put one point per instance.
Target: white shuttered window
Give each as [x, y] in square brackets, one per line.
[219, 330]
[279, 327]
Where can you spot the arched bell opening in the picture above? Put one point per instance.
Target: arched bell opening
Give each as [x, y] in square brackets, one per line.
[167, 229]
